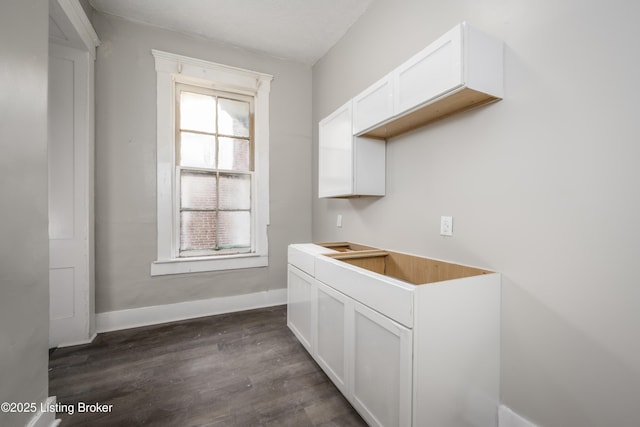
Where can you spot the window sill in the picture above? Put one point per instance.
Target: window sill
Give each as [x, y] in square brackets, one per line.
[196, 265]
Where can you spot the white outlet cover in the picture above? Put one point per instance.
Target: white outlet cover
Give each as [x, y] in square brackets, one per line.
[446, 226]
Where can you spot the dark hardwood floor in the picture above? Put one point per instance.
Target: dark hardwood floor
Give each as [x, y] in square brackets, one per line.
[238, 369]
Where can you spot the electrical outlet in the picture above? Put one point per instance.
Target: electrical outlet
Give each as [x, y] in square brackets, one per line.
[339, 221]
[446, 226]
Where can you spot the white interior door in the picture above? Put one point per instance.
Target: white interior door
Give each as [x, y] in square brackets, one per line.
[70, 197]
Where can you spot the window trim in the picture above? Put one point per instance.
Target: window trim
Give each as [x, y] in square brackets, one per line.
[172, 69]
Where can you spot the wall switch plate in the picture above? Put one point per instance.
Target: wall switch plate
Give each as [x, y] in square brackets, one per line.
[339, 221]
[446, 226]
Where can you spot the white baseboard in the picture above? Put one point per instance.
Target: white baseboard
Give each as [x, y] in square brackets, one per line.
[508, 418]
[45, 418]
[144, 316]
[78, 342]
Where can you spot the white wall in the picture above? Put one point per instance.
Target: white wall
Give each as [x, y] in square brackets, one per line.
[24, 240]
[543, 187]
[126, 169]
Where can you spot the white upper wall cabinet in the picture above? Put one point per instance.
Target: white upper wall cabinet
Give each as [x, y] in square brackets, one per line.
[461, 70]
[348, 166]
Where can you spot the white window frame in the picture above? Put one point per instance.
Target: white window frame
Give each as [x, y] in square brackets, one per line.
[172, 69]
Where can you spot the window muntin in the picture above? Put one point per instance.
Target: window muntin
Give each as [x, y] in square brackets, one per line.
[214, 172]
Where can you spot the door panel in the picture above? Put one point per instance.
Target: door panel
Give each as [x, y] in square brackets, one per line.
[70, 218]
[61, 285]
[61, 148]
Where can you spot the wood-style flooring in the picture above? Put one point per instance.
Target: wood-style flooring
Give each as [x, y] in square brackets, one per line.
[237, 369]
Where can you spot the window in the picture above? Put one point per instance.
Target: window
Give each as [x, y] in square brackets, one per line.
[212, 159]
[214, 168]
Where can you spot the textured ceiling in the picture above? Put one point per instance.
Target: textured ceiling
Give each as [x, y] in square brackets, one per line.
[299, 30]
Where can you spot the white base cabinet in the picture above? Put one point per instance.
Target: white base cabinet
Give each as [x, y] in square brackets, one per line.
[432, 361]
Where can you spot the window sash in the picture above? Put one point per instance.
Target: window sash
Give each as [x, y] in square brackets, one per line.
[218, 94]
[218, 249]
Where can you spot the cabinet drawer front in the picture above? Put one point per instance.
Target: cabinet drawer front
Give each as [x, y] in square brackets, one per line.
[374, 105]
[386, 295]
[430, 73]
[302, 256]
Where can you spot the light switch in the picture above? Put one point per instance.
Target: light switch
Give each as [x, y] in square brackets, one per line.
[446, 226]
[339, 221]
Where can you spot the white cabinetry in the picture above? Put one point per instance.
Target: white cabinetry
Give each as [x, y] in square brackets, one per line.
[415, 345]
[456, 368]
[459, 71]
[334, 329]
[302, 292]
[382, 359]
[432, 72]
[374, 105]
[462, 69]
[367, 356]
[348, 166]
[300, 305]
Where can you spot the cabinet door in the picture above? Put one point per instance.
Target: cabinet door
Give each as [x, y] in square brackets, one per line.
[300, 308]
[430, 73]
[382, 363]
[333, 309]
[374, 105]
[335, 153]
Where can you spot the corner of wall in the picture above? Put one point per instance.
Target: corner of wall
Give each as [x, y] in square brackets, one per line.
[508, 418]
